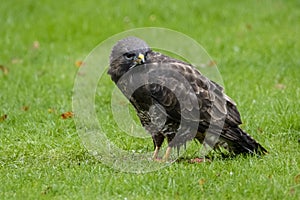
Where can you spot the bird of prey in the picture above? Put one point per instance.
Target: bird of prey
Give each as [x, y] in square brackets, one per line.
[168, 107]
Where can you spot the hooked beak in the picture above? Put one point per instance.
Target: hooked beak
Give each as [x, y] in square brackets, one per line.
[140, 59]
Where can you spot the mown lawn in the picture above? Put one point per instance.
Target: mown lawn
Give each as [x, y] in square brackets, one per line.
[254, 43]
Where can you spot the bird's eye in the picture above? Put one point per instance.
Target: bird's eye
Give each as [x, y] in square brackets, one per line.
[129, 56]
[146, 54]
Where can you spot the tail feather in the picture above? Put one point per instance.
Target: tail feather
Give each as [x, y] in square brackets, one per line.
[240, 142]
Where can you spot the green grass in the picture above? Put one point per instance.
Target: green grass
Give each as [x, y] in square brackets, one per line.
[254, 43]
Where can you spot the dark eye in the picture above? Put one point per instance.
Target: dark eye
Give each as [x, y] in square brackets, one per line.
[129, 56]
[146, 54]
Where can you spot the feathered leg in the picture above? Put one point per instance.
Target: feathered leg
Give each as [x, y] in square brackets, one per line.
[170, 137]
[155, 154]
[158, 139]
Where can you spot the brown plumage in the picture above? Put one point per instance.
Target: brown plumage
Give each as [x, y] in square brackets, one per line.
[175, 101]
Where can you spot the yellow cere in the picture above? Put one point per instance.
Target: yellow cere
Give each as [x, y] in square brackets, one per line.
[141, 57]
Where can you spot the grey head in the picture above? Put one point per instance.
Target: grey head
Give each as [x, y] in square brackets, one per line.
[127, 53]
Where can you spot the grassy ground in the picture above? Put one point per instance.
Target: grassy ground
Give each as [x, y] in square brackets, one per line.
[255, 44]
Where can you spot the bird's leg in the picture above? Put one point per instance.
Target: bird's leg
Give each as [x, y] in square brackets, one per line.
[170, 137]
[155, 154]
[158, 139]
[167, 154]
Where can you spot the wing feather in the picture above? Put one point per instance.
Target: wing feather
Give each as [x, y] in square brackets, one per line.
[172, 93]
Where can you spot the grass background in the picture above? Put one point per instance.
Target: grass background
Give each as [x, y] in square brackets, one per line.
[254, 43]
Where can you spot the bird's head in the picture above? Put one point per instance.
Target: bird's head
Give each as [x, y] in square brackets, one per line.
[126, 54]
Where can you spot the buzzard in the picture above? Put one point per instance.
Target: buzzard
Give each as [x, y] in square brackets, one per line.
[174, 101]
